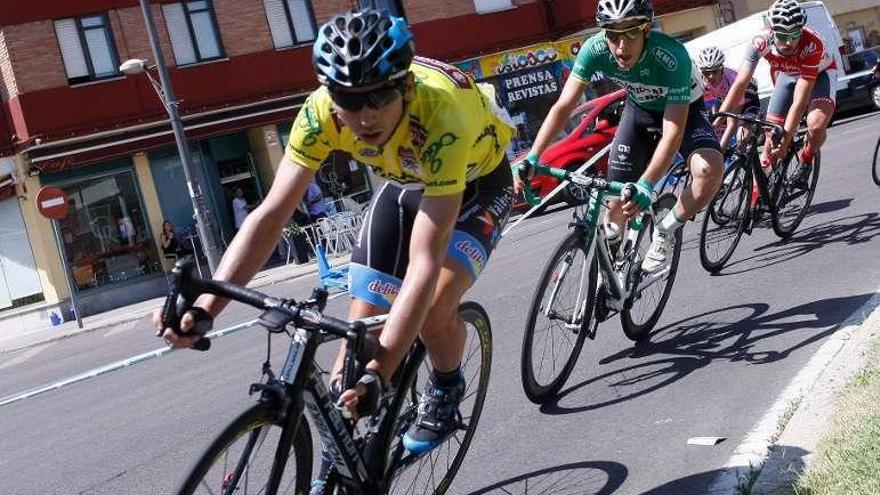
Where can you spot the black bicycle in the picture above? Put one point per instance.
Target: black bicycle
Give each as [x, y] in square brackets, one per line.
[786, 194]
[268, 448]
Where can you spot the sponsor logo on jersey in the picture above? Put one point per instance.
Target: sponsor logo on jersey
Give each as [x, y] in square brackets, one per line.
[369, 152]
[417, 132]
[641, 92]
[809, 49]
[408, 161]
[760, 43]
[666, 58]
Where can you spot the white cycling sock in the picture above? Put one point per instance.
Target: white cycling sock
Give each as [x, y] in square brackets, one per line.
[670, 223]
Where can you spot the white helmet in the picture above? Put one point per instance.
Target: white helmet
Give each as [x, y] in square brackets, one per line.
[614, 11]
[710, 57]
[786, 15]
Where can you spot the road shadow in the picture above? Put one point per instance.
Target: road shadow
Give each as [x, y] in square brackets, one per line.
[851, 230]
[744, 332]
[578, 478]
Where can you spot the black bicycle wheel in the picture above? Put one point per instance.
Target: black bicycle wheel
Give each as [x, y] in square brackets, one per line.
[434, 471]
[725, 218]
[792, 200]
[558, 320]
[240, 459]
[875, 169]
[645, 306]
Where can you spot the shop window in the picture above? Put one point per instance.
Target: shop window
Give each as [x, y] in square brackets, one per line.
[485, 6]
[87, 48]
[193, 31]
[393, 7]
[291, 22]
[106, 236]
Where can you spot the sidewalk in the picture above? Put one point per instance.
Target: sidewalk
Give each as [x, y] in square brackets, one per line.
[19, 338]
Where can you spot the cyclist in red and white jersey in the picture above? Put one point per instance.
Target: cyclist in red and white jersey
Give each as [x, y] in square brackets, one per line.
[804, 76]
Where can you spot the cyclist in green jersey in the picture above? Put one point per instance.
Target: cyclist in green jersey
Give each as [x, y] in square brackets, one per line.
[665, 93]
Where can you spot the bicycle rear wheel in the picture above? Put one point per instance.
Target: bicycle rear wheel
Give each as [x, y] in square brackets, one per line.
[792, 199]
[433, 472]
[875, 170]
[725, 218]
[240, 459]
[564, 302]
[643, 309]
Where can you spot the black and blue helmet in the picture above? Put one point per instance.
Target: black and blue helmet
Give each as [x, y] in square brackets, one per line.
[361, 48]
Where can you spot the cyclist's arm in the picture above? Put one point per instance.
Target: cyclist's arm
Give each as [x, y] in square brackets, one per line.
[803, 89]
[674, 121]
[261, 230]
[431, 232]
[737, 90]
[559, 115]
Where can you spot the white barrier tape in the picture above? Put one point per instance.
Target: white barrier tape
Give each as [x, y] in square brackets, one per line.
[589, 163]
[118, 365]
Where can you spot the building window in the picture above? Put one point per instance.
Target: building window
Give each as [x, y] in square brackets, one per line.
[193, 32]
[87, 48]
[485, 6]
[393, 7]
[106, 234]
[291, 21]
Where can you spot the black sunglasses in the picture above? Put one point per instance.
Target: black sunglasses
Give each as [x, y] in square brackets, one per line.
[375, 99]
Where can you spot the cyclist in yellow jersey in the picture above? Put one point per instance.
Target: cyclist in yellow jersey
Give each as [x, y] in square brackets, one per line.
[439, 140]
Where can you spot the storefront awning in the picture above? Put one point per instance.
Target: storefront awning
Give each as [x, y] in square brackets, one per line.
[73, 153]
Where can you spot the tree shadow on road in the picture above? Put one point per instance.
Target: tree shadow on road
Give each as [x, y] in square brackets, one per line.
[744, 332]
[578, 478]
[852, 230]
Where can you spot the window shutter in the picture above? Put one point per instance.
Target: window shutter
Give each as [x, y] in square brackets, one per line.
[178, 31]
[302, 20]
[281, 35]
[71, 48]
[484, 6]
[206, 37]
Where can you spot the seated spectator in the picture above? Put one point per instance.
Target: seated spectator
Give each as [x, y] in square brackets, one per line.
[314, 200]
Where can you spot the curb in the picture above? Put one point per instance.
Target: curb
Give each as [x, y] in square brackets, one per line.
[258, 281]
[794, 451]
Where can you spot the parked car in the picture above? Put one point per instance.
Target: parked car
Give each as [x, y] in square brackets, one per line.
[594, 125]
[863, 90]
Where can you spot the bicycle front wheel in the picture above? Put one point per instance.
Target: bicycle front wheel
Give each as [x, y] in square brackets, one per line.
[559, 319]
[241, 458]
[875, 170]
[433, 472]
[793, 196]
[725, 218]
[651, 292]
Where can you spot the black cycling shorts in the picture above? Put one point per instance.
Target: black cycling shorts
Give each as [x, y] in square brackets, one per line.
[783, 93]
[380, 258]
[638, 134]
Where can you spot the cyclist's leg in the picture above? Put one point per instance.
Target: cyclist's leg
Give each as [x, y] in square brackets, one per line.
[777, 109]
[631, 149]
[485, 210]
[819, 113]
[700, 146]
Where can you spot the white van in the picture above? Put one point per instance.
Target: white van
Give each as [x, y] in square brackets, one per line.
[733, 40]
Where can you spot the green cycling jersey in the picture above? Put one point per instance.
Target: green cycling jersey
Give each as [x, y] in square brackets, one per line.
[663, 73]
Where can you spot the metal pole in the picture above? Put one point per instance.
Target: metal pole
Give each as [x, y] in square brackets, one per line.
[68, 276]
[203, 219]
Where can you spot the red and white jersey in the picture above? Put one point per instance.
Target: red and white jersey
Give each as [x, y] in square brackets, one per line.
[809, 59]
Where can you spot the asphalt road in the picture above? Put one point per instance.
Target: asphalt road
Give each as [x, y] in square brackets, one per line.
[724, 349]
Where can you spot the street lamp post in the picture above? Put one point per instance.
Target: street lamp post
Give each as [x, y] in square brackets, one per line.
[163, 88]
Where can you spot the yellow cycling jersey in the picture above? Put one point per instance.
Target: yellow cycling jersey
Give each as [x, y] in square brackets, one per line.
[452, 132]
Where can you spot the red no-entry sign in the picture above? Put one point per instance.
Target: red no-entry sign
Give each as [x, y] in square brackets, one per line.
[52, 202]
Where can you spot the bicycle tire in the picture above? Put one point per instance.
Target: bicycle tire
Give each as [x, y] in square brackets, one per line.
[640, 331]
[259, 419]
[478, 342]
[875, 170]
[535, 391]
[736, 186]
[784, 196]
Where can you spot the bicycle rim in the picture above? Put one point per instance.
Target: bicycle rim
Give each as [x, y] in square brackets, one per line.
[433, 472]
[558, 320]
[240, 459]
[647, 304]
[725, 219]
[792, 203]
[875, 170]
